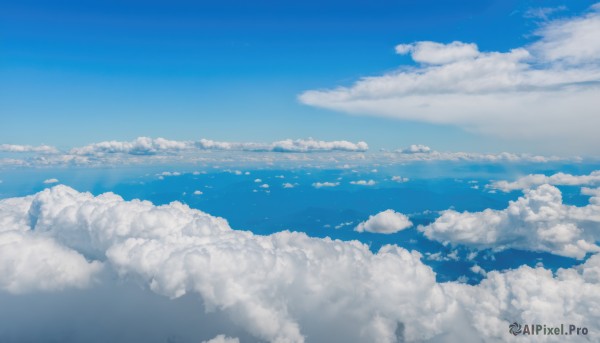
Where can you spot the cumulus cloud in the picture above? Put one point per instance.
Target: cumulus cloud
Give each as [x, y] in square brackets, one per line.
[50, 181]
[325, 184]
[416, 148]
[288, 185]
[559, 179]
[538, 221]
[46, 149]
[271, 286]
[388, 221]
[508, 94]
[152, 146]
[363, 182]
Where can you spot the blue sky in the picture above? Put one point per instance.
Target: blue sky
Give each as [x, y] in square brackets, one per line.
[75, 72]
[225, 172]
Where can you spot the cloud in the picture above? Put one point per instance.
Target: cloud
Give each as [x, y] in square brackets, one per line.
[400, 179]
[198, 192]
[325, 184]
[512, 95]
[139, 146]
[388, 221]
[559, 179]
[437, 53]
[223, 339]
[288, 185]
[538, 221]
[45, 149]
[543, 12]
[50, 181]
[270, 286]
[363, 182]
[416, 148]
[153, 146]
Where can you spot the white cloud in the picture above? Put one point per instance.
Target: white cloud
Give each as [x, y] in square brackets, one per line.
[538, 221]
[400, 179]
[139, 146]
[288, 185]
[325, 184]
[50, 181]
[512, 95]
[543, 12]
[437, 53]
[271, 286]
[198, 192]
[45, 149]
[388, 221]
[152, 146]
[167, 173]
[223, 339]
[264, 185]
[416, 149]
[363, 182]
[559, 179]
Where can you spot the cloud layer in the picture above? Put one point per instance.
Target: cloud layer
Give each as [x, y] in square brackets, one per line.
[151, 146]
[558, 179]
[46, 149]
[507, 94]
[271, 286]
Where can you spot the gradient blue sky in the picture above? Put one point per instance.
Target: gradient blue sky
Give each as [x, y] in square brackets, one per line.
[75, 72]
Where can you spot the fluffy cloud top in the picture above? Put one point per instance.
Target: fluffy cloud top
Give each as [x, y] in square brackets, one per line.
[559, 179]
[272, 285]
[388, 221]
[538, 221]
[46, 149]
[507, 94]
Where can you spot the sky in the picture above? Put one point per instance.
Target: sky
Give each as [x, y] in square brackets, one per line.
[315, 171]
[78, 72]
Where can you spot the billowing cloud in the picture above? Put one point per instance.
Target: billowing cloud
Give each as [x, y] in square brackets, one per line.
[558, 179]
[45, 149]
[271, 286]
[538, 221]
[509, 94]
[388, 221]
